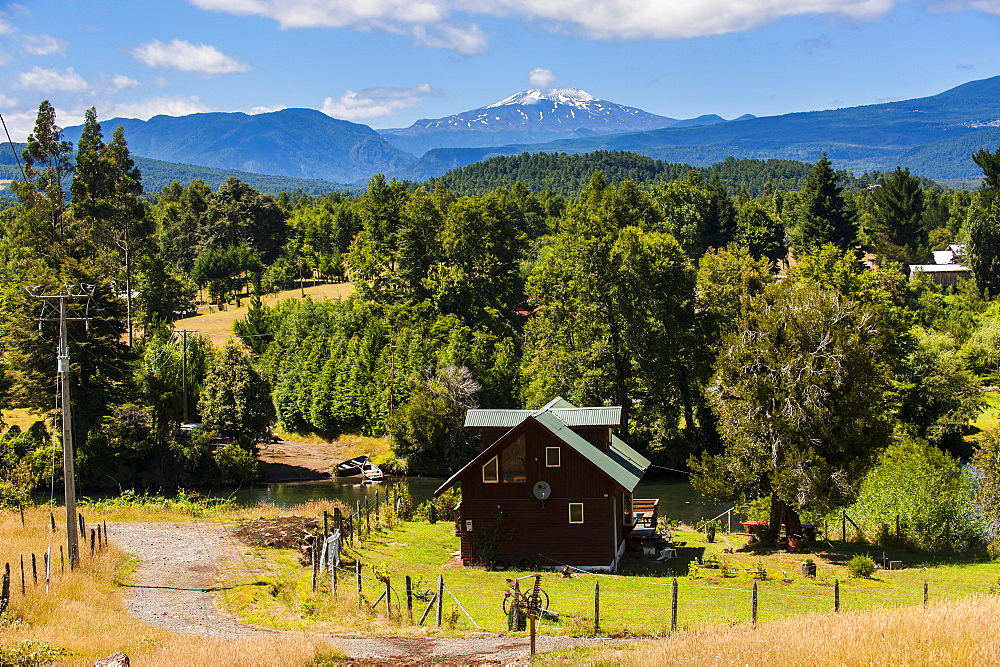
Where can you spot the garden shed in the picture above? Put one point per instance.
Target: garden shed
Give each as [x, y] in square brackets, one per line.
[551, 487]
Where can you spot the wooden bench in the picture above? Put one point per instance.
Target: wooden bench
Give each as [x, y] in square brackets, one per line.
[645, 511]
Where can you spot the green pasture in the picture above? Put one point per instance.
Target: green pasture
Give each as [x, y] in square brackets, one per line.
[276, 591]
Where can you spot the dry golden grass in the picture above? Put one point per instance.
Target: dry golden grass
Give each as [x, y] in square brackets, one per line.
[218, 325]
[84, 610]
[951, 633]
[23, 418]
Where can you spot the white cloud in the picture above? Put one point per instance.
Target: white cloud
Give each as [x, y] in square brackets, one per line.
[122, 82]
[430, 21]
[262, 109]
[44, 45]
[157, 106]
[187, 57]
[468, 40]
[8, 102]
[988, 6]
[541, 77]
[5, 27]
[49, 80]
[376, 102]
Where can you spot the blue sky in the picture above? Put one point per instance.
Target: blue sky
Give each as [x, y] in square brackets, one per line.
[387, 63]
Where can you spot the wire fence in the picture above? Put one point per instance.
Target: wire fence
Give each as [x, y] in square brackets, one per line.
[44, 568]
[615, 603]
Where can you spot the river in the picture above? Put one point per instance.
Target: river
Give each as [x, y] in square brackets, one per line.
[678, 499]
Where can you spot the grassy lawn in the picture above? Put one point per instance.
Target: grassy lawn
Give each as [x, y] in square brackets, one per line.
[217, 325]
[989, 418]
[635, 601]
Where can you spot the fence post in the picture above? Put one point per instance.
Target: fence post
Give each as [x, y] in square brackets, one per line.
[388, 593]
[21, 507]
[531, 631]
[673, 606]
[83, 524]
[753, 599]
[22, 574]
[34, 571]
[5, 588]
[925, 592]
[357, 572]
[52, 521]
[409, 598]
[314, 553]
[100, 540]
[597, 607]
[836, 594]
[62, 560]
[440, 600]
[48, 567]
[92, 536]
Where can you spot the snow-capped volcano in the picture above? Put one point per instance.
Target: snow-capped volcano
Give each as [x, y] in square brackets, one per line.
[530, 116]
[571, 96]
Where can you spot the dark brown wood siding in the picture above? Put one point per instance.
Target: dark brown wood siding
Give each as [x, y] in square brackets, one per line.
[541, 529]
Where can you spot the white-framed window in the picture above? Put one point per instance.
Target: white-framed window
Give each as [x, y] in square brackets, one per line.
[553, 457]
[491, 471]
[576, 512]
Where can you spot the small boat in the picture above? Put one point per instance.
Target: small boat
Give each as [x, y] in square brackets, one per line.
[371, 472]
[360, 465]
[351, 466]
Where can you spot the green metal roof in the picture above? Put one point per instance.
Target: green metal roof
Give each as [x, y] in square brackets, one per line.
[571, 416]
[621, 463]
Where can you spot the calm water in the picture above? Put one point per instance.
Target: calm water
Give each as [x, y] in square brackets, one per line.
[678, 499]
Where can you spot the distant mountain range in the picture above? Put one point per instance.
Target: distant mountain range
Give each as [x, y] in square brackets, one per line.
[302, 143]
[529, 117]
[933, 136]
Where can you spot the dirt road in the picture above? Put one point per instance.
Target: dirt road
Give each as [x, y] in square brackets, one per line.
[177, 574]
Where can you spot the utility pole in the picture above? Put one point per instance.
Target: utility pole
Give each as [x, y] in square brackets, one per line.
[72, 293]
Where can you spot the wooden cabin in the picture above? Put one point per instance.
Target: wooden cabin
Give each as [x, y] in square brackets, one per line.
[551, 487]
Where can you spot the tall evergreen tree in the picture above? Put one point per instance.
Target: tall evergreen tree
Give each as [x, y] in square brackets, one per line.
[822, 215]
[897, 218]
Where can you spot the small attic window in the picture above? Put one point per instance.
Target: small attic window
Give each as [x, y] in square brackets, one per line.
[513, 461]
[576, 512]
[491, 471]
[552, 457]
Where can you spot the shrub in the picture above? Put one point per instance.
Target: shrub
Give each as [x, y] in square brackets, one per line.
[928, 490]
[861, 567]
[237, 465]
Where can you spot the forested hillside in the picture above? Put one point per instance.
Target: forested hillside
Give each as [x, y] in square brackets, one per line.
[660, 288]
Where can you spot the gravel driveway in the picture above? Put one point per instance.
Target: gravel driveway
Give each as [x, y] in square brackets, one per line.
[177, 574]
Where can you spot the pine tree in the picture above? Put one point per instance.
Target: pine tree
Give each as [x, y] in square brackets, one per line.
[822, 215]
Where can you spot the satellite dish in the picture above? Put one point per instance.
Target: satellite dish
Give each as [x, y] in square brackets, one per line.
[542, 490]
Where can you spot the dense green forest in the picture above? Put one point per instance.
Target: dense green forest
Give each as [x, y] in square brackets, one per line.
[754, 320]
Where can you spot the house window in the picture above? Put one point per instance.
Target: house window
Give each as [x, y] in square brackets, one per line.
[552, 458]
[490, 472]
[576, 512]
[513, 462]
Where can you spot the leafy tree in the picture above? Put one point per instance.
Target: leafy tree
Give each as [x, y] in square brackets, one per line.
[427, 431]
[981, 353]
[614, 311]
[822, 214]
[257, 329]
[938, 397]
[986, 466]
[801, 391]
[927, 490]
[983, 249]
[236, 401]
[760, 231]
[46, 165]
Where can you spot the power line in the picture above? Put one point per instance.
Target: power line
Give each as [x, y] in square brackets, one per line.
[11, 143]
